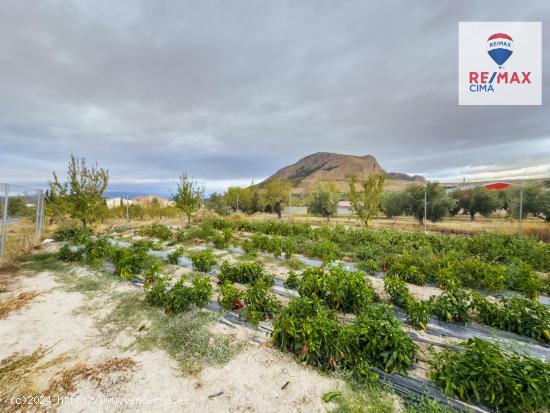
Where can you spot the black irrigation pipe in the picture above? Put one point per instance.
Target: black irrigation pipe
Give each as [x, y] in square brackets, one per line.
[408, 387]
[462, 331]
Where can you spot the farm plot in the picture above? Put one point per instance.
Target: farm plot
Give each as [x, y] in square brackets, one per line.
[339, 321]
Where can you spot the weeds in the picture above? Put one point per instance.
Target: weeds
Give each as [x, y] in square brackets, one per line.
[14, 304]
[186, 337]
[19, 373]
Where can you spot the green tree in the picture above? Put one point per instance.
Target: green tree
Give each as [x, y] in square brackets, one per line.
[483, 201]
[462, 201]
[154, 209]
[439, 204]
[83, 190]
[323, 201]
[239, 199]
[17, 207]
[365, 202]
[136, 211]
[530, 204]
[543, 206]
[277, 192]
[216, 203]
[188, 196]
[394, 204]
[258, 201]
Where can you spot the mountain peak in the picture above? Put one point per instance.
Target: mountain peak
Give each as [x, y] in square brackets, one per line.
[322, 167]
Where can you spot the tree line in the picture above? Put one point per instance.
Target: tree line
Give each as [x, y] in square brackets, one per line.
[81, 196]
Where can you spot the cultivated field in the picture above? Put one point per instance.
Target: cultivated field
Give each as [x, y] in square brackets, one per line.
[250, 315]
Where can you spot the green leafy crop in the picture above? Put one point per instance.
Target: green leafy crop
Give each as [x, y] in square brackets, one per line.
[483, 372]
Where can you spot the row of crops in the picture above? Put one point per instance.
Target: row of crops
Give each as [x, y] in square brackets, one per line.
[311, 325]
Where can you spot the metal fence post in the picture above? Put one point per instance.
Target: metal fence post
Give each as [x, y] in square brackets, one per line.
[38, 212]
[42, 212]
[4, 220]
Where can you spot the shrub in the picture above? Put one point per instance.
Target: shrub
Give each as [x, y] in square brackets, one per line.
[292, 280]
[326, 250]
[376, 337]
[155, 291]
[288, 248]
[203, 232]
[131, 261]
[203, 260]
[66, 254]
[418, 312]
[397, 290]
[174, 256]
[201, 291]
[452, 306]
[409, 268]
[485, 373]
[249, 247]
[159, 231]
[181, 297]
[72, 233]
[309, 330]
[260, 303]
[521, 277]
[479, 274]
[347, 291]
[222, 240]
[244, 273]
[515, 314]
[97, 250]
[230, 296]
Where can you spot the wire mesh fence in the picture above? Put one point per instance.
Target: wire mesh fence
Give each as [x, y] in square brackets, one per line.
[21, 217]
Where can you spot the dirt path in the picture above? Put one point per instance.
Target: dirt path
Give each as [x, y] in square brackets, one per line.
[66, 323]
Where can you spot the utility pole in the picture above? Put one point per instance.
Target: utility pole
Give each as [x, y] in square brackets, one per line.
[425, 207]
[290, 205]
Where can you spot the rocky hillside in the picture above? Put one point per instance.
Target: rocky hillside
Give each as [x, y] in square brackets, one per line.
[323, 167]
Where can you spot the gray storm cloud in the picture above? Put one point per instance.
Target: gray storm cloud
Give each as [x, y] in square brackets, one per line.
[232, 91]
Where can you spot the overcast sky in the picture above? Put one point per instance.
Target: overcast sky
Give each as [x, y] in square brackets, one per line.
[231, 91]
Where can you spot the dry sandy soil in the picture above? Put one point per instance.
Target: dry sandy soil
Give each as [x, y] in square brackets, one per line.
[66, 323]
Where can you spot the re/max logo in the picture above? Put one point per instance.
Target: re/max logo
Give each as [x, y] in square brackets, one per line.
[502, 77]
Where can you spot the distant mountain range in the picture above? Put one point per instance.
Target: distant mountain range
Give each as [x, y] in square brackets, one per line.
[324, 167]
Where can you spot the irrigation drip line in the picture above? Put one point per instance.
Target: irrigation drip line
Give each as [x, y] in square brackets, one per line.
[506, 339]
[408, 386]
